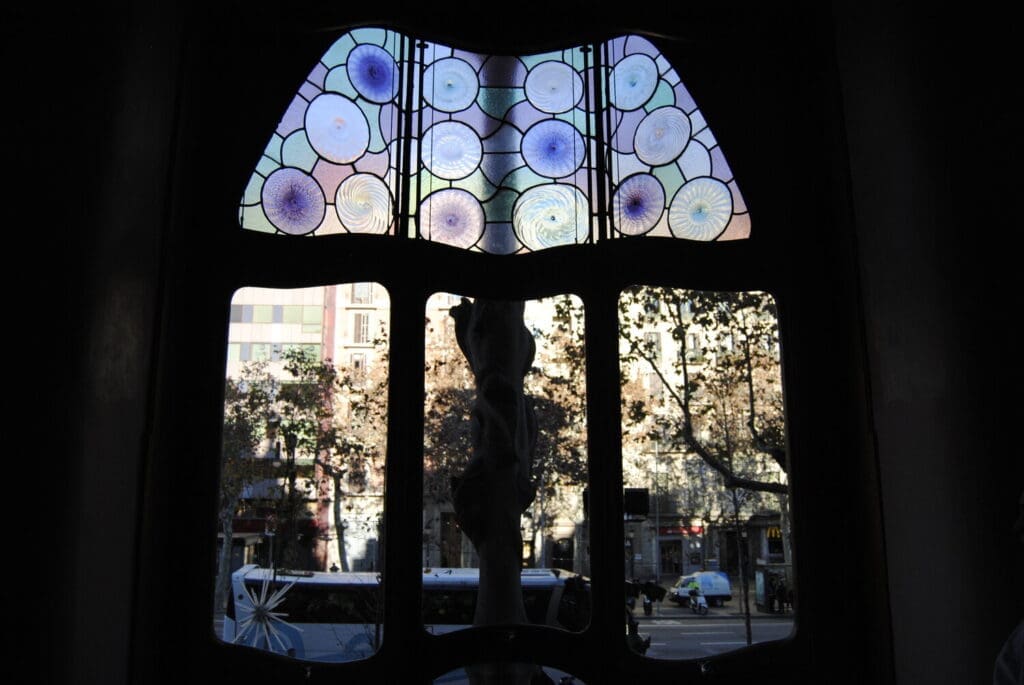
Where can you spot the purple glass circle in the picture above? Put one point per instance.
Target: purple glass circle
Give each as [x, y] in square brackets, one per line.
[638, 204]
[553, 148]
[373, 73]
[452, 216]
[293, 201]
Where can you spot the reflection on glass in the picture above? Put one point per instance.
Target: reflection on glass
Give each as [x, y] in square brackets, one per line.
[302, 471]
[707, 529]
[553, 527]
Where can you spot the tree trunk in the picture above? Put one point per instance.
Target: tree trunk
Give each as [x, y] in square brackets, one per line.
[339, 525]
[223, 584]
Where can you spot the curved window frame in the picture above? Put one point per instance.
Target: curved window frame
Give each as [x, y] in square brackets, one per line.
[209, 258]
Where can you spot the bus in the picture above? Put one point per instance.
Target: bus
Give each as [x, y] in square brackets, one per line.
[337, 616]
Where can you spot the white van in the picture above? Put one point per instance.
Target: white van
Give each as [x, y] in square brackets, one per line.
[321, 616]
[714, 585]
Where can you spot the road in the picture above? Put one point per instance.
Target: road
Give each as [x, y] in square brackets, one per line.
[676, 633]
[698, 637]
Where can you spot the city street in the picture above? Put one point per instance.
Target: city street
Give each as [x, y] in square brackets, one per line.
[695, 637]
[677, 633]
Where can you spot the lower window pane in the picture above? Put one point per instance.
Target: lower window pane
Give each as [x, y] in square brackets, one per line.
[542, 524]
[302, 476]
[704, 466]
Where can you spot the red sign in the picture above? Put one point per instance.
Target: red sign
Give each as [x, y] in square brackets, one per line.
[680, 530]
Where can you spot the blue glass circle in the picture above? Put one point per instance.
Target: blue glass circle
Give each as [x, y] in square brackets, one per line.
[293, 201]
[553, 148]
[373, 73]
[638, 204]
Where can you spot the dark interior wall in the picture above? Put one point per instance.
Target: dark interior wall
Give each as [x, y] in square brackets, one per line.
[89, 108]
[928, 120]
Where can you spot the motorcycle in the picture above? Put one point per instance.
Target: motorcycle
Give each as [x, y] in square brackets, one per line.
[698, 602]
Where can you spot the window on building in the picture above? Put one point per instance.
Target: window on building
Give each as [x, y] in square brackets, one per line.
[263, 313]
[361, 328]
[292, 313]
[362, 293]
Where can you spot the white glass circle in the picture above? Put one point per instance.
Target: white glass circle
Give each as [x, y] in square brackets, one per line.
[451, 150]
[662, 136]
[633, 81]
[363, 204]
[549, 215]
[337, 128]
[700, 210]
[450, 85]
[553, 87]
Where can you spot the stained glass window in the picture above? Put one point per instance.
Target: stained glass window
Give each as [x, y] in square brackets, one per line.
[406, 138]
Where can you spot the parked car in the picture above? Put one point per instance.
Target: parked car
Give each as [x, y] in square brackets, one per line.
[714, 585]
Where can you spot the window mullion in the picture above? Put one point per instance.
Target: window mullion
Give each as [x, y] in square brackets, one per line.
[605, 469]
[404, 478]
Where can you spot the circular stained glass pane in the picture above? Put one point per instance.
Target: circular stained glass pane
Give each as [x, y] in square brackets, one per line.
[452, 216]
[373, 73]
[662, 136]
[553, 148]
[293, 201]
[451, 150]
[700, 210]
[633, 81]
[550, 215]
[553, 87]
[337, 128]
[638, 204]
[363, 204]
[450, 85]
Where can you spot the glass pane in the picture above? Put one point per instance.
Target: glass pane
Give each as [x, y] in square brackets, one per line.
[704, 466]
[539, 515]
[505, 156]
[302, 481]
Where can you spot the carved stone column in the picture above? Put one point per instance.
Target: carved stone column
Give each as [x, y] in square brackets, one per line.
[496, 488]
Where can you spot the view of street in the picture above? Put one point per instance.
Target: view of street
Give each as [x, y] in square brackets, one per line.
[676, 633]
